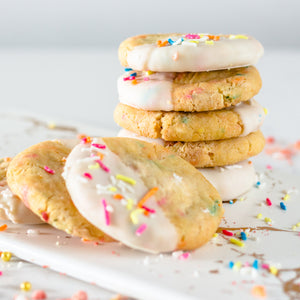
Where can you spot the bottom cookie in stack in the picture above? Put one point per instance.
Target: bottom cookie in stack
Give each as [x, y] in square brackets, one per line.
[223, 162]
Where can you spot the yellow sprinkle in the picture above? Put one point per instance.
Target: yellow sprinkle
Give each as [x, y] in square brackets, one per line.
[6, 256]
[237, 265]
[25, 286]
[237, 242]
[242, 199]
[133, 216]
[238, 36]
[112, 189]
[51, 125]
[92, 167]
[209, 42]
[298, 224]
[126, 179]
[195, 42]
[265, 111]
[268, 220]
[259, 216]
[149, 72]
[273, 270]
[129, 204]
[294, 227]
[215, 235]
[286, 197]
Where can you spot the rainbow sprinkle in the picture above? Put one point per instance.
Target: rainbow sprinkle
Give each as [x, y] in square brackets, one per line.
[268, 201]
[48, 170]
[237, 242]
[88, 175]
[99, 146]
[141, 229]
[126, 179]
[102, 165]
[282, 206]
[149, 194]
[106, 212]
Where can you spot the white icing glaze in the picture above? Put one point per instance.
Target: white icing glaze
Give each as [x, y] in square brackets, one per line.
[191, 57]
[87, 195]
[154, 94]
[13, 209]
[129, 134]
[231, 181]
[252, 115]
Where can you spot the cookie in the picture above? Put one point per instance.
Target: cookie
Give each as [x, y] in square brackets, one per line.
[211, 153]
[11, 207]
[174, 52]
[35, 176]
[231, 181]
[142, 195]
[239, 120]
[201, 91]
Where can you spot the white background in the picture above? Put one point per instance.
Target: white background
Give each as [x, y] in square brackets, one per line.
[59, 57]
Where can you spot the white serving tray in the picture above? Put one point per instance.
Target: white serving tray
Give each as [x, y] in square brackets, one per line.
[206, 273]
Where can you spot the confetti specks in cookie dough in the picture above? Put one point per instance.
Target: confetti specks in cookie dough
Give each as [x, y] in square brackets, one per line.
[48, 170]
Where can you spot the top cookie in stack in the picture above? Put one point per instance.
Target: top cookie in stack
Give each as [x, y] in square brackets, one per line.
[193, 94]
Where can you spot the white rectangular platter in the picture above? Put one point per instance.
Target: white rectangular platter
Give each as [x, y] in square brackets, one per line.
[205, 273]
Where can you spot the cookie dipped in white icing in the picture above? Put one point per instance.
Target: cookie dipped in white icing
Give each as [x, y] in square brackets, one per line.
[230, 181]
[142, 195]
[189, 52]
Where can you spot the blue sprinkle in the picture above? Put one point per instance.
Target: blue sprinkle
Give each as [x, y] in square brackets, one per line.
[282, 206]
[243, 236]
[230, 202]
[257, 184]
[255, 264]
[171, 42]
[133, 74]
[127, 69]
[231, 264]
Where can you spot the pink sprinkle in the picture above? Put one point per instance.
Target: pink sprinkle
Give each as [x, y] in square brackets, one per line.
[151, 211]
[141, 229]
[88, 175]
[269, 203]
[226, 232]
[184, 256]
[99, 146]
[102, 165]
[269, 167]
[192, 36]
[45, 216]
[265, 266]
[125, 78]
[47, 169]
[38, 295]
[246, 264]
[106, 212]
[1, 273]
[80, 295]
[146, 78]
[131, 77]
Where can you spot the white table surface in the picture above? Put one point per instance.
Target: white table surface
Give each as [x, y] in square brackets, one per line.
[81, 86]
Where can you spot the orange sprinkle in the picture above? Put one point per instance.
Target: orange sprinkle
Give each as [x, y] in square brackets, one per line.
[7, 159]
[81, 136]
[147, 196]
[162, 44]
[259, 291]
[3, 227]
[118, 196]
[238, 79]
[146, 213]
[214, 37]
[100, 155]
[134, 81]
[250, 162]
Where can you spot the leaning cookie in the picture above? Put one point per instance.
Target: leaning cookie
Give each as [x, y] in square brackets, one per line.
[11, 207]
[239, 120]
[201, 91]
[35, 176]
[211, 153]
[142, 195]
[174, 52]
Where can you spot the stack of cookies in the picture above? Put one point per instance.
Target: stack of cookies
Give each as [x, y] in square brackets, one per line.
[193, 93]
